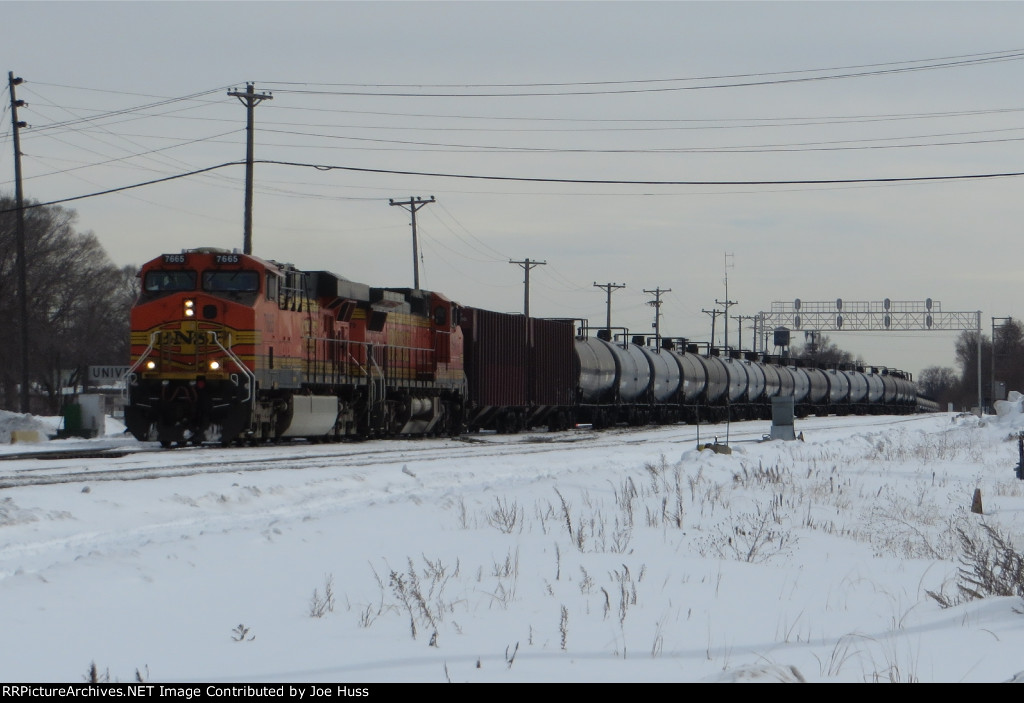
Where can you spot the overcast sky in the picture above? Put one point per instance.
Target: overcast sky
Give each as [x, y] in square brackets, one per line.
[513, 108]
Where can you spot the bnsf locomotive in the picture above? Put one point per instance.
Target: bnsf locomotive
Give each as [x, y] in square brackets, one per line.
[228, 347]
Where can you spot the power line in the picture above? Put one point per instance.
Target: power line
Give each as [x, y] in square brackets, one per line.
[523, 179]
[128, 187]
[795, 76]
[835, 145]
[124, 111]
[594, 181]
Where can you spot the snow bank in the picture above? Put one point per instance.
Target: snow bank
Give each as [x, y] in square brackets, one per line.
[28, 424]
[1010, 410]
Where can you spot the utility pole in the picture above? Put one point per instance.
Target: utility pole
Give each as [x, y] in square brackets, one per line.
[739, 320]
[656, 304]
[526, 264]
[811, 343]
[981, 408]
[22, 264]
[992, 365]
[413, 204]
[609, 288]
[250, 98]
[726, 304]
[714, 316]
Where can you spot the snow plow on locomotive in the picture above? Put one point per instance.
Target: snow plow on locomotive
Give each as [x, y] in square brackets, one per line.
[228, 347]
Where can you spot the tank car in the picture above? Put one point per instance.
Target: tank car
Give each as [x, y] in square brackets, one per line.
[227, 346]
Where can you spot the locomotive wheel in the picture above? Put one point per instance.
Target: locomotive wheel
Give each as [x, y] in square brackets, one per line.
[559, 423]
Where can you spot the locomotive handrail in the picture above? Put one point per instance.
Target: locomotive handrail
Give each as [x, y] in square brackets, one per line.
[146, 353]
[367, 344]
[251, 375]
[131, 369]
[383, 383]
[366, 371]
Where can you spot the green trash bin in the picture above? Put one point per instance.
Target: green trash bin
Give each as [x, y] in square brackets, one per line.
[72, 424]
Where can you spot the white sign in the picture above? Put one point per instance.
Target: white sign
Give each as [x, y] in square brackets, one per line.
[106, 375]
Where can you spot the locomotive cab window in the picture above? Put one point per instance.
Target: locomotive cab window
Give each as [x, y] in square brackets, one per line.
[169, 281]
[231, 281]
[440, 316]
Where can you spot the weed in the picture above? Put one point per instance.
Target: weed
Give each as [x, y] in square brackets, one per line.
[505, 516]
[586, 583]
[242, 634]
[322, 603]
[565, 513]
[94, 676]
[989, 566]
[840, 655]
[751, 537]
[563, 626]
[422, 599]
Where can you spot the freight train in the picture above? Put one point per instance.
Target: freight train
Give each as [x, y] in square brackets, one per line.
[229, 347]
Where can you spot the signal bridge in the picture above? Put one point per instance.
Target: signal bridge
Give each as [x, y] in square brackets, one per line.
[871, 316]
[867, 315]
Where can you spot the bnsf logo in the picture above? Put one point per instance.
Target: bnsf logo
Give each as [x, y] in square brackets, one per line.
[175, 337]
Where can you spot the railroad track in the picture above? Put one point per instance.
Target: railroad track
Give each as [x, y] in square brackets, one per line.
[122, 462]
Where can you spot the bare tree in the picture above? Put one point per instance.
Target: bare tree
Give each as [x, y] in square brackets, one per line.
[940, 383]
[824, 352]
[966, 352]
[79, 302]
[1008, 354]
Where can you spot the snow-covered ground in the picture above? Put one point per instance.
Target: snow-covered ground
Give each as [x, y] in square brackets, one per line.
[616, 556]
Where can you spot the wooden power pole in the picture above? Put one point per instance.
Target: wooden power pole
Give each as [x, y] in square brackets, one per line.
[250, 98]
[526, 264]
[22, 264]
[412, 205]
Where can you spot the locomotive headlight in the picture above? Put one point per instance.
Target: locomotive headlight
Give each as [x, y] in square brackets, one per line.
[214, 365]
[190, 308]
[151, 365]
